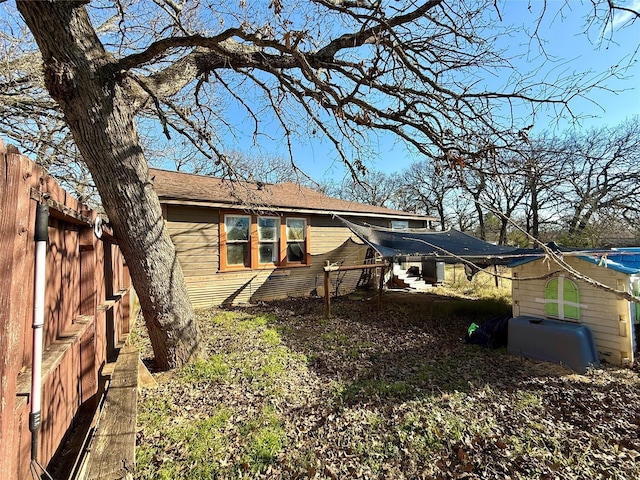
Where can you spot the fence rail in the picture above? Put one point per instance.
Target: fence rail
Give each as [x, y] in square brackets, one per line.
[86, 311]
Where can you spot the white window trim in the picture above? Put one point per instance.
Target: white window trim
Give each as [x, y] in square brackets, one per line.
[561, 301]
[275, 242]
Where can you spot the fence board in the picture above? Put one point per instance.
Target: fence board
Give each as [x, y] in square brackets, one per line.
[9, 338]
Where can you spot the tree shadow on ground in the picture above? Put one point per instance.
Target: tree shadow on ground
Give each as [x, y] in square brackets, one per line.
[413, 347]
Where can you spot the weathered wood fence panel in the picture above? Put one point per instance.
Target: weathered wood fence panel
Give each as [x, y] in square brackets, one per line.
[86, 311]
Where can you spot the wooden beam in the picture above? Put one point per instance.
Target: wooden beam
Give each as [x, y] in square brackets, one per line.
[112, 450]
[343, 268]
[54, 353]
[110, 302]
[59, 210]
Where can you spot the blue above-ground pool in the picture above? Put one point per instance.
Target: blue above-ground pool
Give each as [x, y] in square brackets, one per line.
[555, 341]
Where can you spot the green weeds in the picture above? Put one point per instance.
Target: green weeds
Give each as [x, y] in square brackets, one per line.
[214, 369]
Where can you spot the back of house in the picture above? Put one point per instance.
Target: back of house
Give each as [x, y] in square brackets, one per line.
[241, 242]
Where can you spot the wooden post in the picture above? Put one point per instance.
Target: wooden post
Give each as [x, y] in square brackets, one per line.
[327, 300]
[380, 286]
[495, 270]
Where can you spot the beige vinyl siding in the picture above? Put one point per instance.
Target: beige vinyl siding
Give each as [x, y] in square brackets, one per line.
[302, 282]
[328, 234]
[255, 285]
[194, 231]
[607, 315]
[230, 287]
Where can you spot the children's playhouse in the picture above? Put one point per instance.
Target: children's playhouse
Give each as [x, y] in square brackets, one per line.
[599, 298]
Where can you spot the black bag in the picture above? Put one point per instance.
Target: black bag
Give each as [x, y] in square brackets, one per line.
[493, 333]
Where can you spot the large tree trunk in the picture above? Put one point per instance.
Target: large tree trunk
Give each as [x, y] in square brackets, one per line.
[82, 77]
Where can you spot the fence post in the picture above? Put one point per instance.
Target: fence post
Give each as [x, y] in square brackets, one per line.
[381, 287]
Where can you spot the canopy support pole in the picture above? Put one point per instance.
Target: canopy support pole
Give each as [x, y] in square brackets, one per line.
[328, 268]
[327, 296]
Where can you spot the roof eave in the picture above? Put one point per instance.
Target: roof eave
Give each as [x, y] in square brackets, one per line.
[281, 209]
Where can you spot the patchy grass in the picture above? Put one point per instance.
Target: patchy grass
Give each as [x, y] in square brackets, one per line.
[397, 394]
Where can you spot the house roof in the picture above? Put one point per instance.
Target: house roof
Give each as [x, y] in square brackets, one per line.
[625, 260]
[190, 189]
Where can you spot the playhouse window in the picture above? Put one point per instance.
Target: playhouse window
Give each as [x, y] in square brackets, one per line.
[562, 299]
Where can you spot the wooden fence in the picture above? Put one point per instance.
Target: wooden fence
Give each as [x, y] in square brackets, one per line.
[86, 311]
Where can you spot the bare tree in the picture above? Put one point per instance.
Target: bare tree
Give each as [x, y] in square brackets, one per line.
[543, 170]
[427, 189]
[371, 187]
[505, 189]
[605, 166]
[414, 69]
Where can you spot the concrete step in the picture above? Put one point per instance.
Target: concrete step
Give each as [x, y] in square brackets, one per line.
[410, 281]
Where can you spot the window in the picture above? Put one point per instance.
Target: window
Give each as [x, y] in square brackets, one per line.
[262, 242]
[399, 224]
[296, 236]
[562, 299]
[237, 240]
[268, 234]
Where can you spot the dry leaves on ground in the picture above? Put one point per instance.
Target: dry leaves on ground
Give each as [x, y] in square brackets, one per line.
[285, 393]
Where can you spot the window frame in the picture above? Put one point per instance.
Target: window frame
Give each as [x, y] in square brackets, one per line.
[305, 249]
[276, 242]
[235, 242]
[254, 242]
[560, 305]
[395, 225]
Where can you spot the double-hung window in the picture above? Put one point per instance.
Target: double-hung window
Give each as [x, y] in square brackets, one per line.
[268, 236]
[296, 240]
[262, 242]
[237, 240]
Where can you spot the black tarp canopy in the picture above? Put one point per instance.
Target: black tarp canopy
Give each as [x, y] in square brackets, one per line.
[449, 246]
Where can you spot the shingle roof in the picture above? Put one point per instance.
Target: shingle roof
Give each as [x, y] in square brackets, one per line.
[179, 187]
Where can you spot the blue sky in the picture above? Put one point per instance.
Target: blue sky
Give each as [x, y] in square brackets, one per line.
[569, 50]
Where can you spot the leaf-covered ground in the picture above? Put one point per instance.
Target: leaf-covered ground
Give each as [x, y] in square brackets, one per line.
[391, 394]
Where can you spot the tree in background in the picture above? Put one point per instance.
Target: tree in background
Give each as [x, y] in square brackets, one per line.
[426, 189]
[605, 174]
[505, 189]
[339, 69]
[543, 172]
[370, 187]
